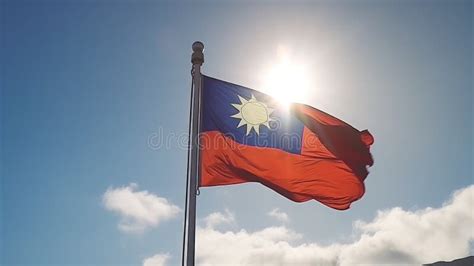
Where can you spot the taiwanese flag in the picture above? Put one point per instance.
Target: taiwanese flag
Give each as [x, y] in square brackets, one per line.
[300, 152]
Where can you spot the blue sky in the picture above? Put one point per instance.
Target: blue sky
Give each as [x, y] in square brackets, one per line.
[85, 84]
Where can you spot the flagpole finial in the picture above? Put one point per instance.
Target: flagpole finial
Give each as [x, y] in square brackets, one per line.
[197, 57]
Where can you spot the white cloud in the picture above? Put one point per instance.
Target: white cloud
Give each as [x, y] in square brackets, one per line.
[394, 236]
[216, 218]
[157, 260]
[279, 215]
[139, 210]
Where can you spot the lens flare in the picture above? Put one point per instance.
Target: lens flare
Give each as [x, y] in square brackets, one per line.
[287, 80]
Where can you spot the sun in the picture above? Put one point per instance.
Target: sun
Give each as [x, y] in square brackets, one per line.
[252, 113]
[288, 79]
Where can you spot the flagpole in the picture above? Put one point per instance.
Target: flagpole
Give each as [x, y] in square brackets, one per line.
[197, 59]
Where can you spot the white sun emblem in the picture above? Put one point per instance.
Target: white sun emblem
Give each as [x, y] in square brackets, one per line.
[253, 114]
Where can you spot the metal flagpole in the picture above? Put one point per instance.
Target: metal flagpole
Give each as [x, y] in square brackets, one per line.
[197, 59]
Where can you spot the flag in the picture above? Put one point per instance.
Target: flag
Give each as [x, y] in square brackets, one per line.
[300, 152]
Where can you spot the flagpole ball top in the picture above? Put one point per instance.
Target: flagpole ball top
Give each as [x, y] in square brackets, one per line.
[198, 46]
[197, 58]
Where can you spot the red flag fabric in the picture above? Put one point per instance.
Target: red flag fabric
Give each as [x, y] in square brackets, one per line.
[301, 152]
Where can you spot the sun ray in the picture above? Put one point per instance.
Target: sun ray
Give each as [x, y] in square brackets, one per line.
[256, 128]
[237, 106]
[237, 115]
[242, 100]
[249, 127]
[241, 123]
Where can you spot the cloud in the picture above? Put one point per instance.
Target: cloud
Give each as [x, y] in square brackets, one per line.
[393, 236]
[139, 210]
[279, 215]
[217, 218]
[157, 260]
[421, 236]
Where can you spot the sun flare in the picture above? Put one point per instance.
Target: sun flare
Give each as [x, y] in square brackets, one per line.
[287, 80]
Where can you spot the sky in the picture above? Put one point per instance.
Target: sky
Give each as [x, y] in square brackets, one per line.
[94, 116]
